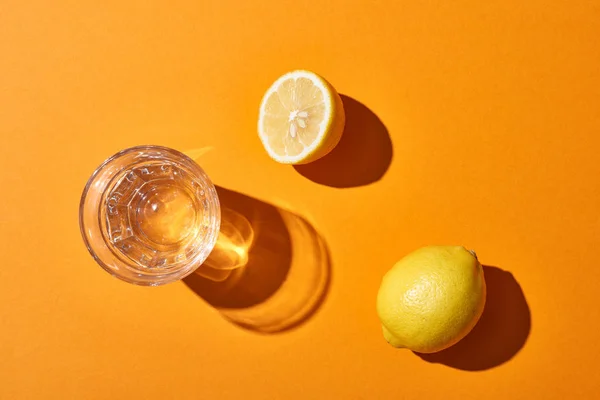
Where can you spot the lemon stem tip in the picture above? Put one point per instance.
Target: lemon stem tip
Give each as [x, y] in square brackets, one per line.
[474, 254]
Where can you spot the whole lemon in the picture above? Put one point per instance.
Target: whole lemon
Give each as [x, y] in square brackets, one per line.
[431, 298]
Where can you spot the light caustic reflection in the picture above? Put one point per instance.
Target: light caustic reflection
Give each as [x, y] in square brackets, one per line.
[235, 239]
[269, 270]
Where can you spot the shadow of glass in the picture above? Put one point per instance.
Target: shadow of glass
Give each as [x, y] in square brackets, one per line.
[269, 271]
[500, 333]
[362, 156]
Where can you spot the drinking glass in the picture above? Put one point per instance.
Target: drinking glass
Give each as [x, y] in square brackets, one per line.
[149, 215]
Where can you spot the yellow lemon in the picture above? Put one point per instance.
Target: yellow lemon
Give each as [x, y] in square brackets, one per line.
[301, 118]
[431, 298]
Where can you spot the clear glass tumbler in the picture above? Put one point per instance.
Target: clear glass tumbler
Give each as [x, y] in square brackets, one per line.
[149, 215]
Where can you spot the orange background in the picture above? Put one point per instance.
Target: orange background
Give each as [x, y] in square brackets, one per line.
[469, 122]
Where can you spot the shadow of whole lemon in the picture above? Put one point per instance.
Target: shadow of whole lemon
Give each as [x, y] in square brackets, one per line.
[431, 298]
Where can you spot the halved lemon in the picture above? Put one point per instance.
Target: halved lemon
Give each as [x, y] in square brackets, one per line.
[301, 118]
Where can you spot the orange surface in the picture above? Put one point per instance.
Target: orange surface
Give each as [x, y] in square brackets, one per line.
[470, 122]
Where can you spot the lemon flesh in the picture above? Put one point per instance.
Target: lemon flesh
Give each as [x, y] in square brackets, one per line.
[431, 298]
[301, 118]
